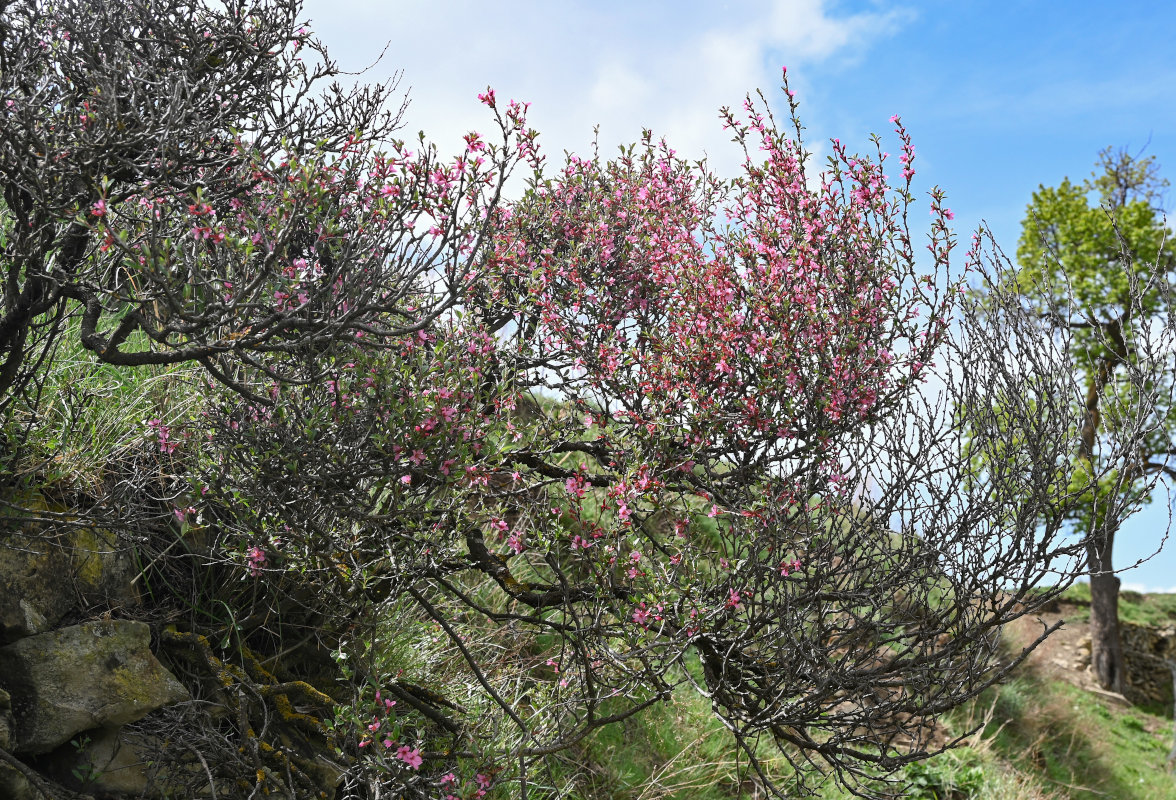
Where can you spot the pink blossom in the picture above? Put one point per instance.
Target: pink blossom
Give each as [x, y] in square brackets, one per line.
[257, 559]
[410, 756]
[575, 487]
[624, 512]
[788, 567]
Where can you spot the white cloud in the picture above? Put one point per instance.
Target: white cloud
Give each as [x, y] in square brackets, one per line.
[1143, 588]
[619, 90]
[621, 66]
[804, 28]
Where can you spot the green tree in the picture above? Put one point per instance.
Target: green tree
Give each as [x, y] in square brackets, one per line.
[1101, 273]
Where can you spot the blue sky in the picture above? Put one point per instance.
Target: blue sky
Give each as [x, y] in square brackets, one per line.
[999, 97]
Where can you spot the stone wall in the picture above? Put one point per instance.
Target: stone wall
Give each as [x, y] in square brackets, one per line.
[1147, 650]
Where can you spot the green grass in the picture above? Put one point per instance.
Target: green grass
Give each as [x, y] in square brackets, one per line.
[1056, 738]
[89, 411]
[674, 751]
[1039, 739]
[1158, 610]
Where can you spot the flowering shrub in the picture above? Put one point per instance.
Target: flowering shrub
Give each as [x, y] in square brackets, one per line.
[680, 430]
[214, 229]
[644, 429]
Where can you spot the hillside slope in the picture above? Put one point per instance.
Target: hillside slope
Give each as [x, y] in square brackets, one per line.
[1049, 734]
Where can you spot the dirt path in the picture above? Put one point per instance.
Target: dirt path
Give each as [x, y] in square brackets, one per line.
[1065, 654]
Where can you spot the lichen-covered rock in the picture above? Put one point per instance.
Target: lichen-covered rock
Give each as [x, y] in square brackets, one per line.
[1147, 650]
[35, 591]
[82, 677]
[103, 568]
[45, 571]
[7, 723]
[14, 786]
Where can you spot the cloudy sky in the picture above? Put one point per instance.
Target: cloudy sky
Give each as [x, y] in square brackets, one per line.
[999, 97]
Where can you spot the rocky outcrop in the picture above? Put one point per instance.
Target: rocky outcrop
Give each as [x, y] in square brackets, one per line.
[106, 761]
[47, 569]
[68, 681]
[1147, 652]
[13, 784]
[82, 677]
[35, 591]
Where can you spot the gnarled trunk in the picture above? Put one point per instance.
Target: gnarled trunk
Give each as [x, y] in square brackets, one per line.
[1106, 647]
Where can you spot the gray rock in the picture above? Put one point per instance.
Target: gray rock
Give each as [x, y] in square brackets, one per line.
[82, 677]
[103, 761]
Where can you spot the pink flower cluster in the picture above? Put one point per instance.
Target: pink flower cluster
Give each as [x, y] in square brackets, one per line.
[162, 434]
[256, 558]
[410, 756]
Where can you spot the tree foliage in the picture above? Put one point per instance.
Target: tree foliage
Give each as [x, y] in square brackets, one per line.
[494, 475]
[1082, 261]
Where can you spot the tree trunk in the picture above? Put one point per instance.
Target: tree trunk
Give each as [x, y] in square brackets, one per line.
[1106, 647]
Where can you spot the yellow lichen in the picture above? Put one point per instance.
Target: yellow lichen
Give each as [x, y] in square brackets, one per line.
[303, 721]
[263, 684]
[253, 665]
[90, 547]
